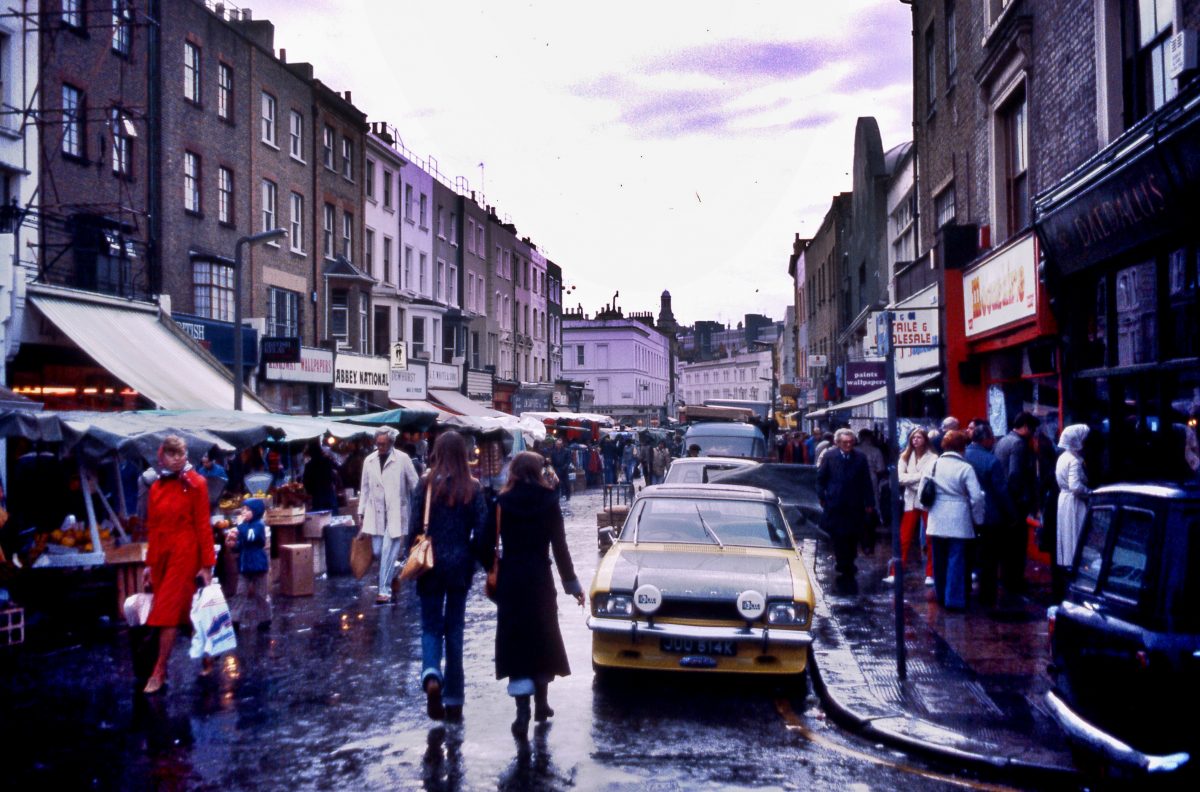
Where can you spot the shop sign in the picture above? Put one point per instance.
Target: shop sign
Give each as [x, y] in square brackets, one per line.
[280, 349]
[818, 361]
[1001, 290]
[361, 372]
[443, 376]
[911, 328]
[217, 338]
[408, 384]
[399, 355]
[479, 385]
[524, 401]
[864, 376]
[315, 366]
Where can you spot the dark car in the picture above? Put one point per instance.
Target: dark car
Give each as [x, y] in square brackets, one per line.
[1126, 638]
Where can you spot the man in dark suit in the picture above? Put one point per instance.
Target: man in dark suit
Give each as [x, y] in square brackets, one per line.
[844, 488]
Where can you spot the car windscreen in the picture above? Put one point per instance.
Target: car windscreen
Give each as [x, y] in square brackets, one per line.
[742, 523]
[730, 446]
[692, 473]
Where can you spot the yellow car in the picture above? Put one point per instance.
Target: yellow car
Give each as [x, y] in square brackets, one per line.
[704, 578]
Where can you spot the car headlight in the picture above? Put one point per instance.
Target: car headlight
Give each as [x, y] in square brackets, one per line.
[613, 604]
[787, 613]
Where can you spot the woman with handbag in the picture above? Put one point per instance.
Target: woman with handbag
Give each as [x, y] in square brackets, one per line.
[449, 508]
[958, 506]
[529, 646]
[916, 460]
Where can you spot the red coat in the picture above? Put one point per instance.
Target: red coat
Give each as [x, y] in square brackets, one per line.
[180, 544]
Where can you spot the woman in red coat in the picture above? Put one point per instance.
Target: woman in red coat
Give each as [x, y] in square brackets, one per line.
[179, 548]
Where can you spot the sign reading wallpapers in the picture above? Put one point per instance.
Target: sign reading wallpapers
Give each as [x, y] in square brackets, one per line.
[315, 366]
[864, 376]
[1002, 289]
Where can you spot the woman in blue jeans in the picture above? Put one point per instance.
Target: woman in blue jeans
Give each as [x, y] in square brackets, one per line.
[957, 508]
[457, 513]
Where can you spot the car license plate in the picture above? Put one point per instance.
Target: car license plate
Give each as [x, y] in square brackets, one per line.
[696, 646]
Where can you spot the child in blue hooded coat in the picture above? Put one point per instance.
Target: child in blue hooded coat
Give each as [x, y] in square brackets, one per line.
[252, 599]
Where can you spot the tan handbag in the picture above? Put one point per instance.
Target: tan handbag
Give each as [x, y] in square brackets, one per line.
[493, 575]
[361, 554]
[420, 555]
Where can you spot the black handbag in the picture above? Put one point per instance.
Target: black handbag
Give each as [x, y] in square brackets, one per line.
[928, 492]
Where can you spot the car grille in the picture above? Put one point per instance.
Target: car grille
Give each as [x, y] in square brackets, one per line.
[699, 610]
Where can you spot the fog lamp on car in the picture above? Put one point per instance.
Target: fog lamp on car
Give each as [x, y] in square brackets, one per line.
[787, 613]
[647, 599]
[751, 604]
[613, 605]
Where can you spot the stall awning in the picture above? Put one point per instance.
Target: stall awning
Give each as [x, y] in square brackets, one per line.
[141, 350]
[426, 406]
[879, 394]
[463, 405]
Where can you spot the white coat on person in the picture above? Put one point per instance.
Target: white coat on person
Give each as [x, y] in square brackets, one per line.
[909, 473]
[1073, 491]
[960, 504]
[385, 494]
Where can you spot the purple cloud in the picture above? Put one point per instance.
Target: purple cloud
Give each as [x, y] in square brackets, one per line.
[750, 61]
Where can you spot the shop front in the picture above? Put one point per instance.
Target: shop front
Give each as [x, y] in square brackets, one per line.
[1122, 252]
[361, 383]
[301, 387]
[1001, 340]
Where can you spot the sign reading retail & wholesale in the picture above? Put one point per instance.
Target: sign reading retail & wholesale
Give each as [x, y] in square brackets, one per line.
[1001, 290]
[361, 372]
[315, 366]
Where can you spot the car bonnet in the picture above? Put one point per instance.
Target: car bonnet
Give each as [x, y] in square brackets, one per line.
[703, 574]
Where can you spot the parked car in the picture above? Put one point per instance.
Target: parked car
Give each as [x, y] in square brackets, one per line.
[703, 578]
[696, 470]
[1126, 638]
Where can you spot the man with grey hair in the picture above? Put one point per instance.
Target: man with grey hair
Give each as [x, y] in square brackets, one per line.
[935, 437]
[844, 488]
[388, 482]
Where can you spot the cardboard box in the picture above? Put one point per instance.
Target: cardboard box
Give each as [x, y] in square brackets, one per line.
[296, 570]
[318, 549]
[284, 515]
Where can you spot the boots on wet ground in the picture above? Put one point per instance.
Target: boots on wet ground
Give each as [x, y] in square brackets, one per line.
[541, 706]
[433, 698]
[520, 726]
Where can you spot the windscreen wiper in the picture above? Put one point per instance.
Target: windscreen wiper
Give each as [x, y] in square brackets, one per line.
[708, 530]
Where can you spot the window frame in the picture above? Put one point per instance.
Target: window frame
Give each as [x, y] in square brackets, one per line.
[193, 196]
[74, 122]
[347, 159]
[269, 131]
[122, 146]
[328, 139]
[216, 288]
[348, 235]
[296, 135]
[192, 73]
[270, 207]
[289, 326]
[122, 22]
[328, 227]
[296, 223]
[224, 91]
[225, 195]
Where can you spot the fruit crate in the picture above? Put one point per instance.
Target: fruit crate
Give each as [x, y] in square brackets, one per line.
[285, 515]
[12, 626]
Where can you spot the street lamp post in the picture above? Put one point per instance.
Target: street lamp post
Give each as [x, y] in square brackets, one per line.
[263, 236]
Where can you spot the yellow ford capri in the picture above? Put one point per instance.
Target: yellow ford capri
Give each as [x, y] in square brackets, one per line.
[703, 579]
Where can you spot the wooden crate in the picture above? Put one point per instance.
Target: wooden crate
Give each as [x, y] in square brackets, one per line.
[12, 626]
[285, 515]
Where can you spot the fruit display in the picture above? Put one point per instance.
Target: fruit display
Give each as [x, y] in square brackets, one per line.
[231, 503]
[77, 538]
[290, 495]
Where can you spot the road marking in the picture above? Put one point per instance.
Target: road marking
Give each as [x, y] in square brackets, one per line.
[793, 723]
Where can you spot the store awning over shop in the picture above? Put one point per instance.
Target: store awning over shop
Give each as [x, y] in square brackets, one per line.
[904, 385]
[420, 406]
[567, 417]
[453, 400]
[144, 352]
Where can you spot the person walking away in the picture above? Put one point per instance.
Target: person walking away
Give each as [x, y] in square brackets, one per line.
[529, 646]
[385, 493]
[844, 488]
[878, 469]
[560, 458]
[179, 550]
[610, 454]
[249, 541]
[1071, 475]
[916, 460]
[629, 459]
[958, 507]
[1015, 452]
[457, 513]
[320, 478]
[998, 511]
[660, 460]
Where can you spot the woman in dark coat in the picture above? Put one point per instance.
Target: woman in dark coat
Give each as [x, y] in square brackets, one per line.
[529, 647]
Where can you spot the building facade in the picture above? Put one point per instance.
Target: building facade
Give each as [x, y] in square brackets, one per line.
[623, 360]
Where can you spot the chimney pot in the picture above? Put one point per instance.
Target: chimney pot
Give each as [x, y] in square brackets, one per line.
[348, 97]
[282, 55]
[247, 15]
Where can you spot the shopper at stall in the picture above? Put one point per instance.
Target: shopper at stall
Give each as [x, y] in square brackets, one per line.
[1071, 475]
[179, 549]
[457, 513]
[957, 508]
[385, 492]
[560, 458]
[252, 602]
[320, 478]
[529, 646]
[916, 460]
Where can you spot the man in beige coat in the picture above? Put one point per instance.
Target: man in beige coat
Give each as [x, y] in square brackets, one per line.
[388, 482]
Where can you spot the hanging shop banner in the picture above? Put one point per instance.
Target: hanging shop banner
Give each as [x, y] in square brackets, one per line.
[1001, 290]
[217, 337]
[479, 386]
[408, 384]
[864, 376]
[443, 376]
[361, 372]
[315, 366]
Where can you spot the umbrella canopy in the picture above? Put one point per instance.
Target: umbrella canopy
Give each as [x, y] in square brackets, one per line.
[415, 420]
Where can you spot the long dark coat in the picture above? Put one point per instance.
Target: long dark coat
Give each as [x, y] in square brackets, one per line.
[528, 642]
[844, 487]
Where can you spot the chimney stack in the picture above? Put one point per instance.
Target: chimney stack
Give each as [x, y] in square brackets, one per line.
[247, 15]
[348, 97]
[282, 55]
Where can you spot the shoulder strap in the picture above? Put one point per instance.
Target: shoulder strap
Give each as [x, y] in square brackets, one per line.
[428, 500]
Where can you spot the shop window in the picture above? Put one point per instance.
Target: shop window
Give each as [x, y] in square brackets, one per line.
[1135, 305]
[1184, 298]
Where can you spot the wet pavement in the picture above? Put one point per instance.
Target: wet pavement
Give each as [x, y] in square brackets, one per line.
[330, 699]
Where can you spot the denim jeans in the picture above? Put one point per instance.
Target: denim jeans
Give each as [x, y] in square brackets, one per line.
[950, 570]
[387, 550]
[443, 612]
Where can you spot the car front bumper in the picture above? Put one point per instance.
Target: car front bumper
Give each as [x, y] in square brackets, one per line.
[638, 644]
[1108, 746]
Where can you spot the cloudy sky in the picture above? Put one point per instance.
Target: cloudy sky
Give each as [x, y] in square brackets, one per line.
[643, 145]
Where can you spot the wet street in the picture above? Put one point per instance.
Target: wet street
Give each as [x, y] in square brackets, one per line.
[330, 699]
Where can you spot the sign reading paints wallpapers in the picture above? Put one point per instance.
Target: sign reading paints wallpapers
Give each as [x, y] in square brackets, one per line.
[315, 366]
[1001, 290]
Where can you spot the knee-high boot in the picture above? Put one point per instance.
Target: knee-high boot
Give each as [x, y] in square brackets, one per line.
[520, 726]
[541, 706]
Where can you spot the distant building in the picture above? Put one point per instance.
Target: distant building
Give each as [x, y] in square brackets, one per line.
[623, 360]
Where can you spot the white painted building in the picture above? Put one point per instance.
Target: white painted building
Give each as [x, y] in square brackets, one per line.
[382, 249]
[539, 330]
[744, 375]
[423, 316]
[623, 361]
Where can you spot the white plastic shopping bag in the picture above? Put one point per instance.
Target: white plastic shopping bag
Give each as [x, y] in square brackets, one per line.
[211, 623]
[137, 608]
